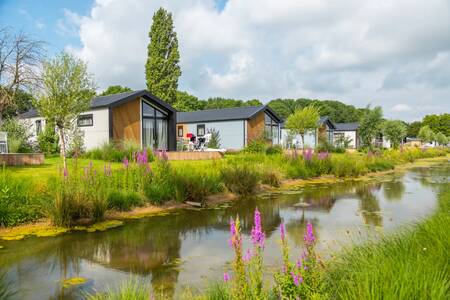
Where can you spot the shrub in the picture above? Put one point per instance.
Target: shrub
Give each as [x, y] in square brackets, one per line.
[48, 140]
[296, 168]
[271, 177]
[195, 186]
[214, 142]
[122, 200]
[18, 136]
[275, 149]
[161, 186]
[348, 165]
[240, 178]
[256, 146]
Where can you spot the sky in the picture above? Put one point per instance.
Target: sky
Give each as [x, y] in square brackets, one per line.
[392, 53]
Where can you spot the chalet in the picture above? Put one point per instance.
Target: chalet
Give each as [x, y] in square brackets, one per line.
[346, 131]
[323, 133]
[135, 116]
[236, 126]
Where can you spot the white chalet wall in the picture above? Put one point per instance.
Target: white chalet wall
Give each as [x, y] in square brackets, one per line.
[231, 132]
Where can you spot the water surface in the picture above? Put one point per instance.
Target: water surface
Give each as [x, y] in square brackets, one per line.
[190, 247]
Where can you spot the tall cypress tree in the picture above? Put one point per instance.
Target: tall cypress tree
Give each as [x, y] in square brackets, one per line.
[162, 70]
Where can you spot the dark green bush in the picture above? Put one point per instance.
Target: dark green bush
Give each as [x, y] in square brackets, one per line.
[48, 140]
[276, 149]
[256, 146]
[124, 201]
[240, 178]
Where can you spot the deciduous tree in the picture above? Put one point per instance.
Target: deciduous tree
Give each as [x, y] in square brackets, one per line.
[395, 131]
[20, 59]
[370, 125]
[303, 120]
[426, 134]
[115, 89]
[67, 91]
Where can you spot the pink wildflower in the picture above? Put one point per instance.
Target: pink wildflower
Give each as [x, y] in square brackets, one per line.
[226, 277]
[257, 233]
[126, 162]
[282, 231]
[309, 235]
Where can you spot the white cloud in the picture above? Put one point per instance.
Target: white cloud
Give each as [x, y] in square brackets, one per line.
[401, 108]
[381, 52]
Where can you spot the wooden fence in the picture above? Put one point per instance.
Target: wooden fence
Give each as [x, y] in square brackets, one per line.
[20, 159]
[194, 155]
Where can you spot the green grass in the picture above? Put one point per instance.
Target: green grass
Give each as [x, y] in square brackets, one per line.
[36, 191]
[411, 264]
[132, 289]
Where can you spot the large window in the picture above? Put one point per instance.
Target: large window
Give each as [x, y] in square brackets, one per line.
[271, 129]
[85, 120]
[38, 127]
[200, 129]
[154, 127]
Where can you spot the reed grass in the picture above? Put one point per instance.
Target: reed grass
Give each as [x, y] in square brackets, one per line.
[410, 264]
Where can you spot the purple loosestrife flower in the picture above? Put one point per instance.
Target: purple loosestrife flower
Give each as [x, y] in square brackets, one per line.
[296, 278]
[226, 277]
[282, 232]
[323, 155]
[309, 237]
[248, 256]
[299, 263]
[307, 154]
[257, 233]
[65, 173]
[126, 163]
[232, 233]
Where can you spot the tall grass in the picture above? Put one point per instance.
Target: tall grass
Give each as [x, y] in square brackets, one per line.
[6, 292]
[132, 289]
[412, 264]
[19, 200]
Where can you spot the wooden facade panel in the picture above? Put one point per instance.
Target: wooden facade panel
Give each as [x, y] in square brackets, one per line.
[126, 119]
[255, 127]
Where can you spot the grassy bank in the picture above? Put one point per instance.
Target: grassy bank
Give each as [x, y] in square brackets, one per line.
[411, 264]
[84, 192]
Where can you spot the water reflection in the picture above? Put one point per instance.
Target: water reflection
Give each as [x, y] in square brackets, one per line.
[168, 251]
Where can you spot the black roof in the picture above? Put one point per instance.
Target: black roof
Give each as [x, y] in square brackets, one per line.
[347, 126]
[111, 101]
[29, 114]
[322, 120]
[224, 114]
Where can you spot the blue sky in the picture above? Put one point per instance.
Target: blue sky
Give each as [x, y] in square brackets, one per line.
[44, 19]
[392, 53]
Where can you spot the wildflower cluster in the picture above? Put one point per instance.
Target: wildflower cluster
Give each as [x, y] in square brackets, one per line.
[302, 279]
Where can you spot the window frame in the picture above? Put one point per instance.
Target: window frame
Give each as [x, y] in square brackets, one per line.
[158, 114]
[87, 117]
[180, 127]
[199, 126]
[38, 127]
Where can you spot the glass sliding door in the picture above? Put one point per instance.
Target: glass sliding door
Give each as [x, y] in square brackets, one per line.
[148, 133]
[154, 127]
[161, 128]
